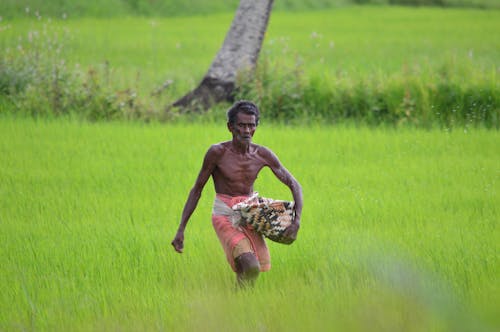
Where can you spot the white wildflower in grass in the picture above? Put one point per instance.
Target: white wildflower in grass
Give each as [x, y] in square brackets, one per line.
[315, 35]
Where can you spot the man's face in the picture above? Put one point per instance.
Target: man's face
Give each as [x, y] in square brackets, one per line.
[243, 128]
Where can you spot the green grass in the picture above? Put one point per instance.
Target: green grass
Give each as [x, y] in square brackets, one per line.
[365, 61]
[399, 230]
[400, 227]
[358, 42]
[114, 8]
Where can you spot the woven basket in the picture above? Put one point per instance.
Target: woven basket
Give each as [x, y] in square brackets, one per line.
[267, 217]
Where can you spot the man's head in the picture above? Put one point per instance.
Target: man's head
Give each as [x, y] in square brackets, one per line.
[242, 120]
[243, 106]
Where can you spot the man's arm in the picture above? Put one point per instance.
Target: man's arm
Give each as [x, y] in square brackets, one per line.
[209, 164]
[287, 178]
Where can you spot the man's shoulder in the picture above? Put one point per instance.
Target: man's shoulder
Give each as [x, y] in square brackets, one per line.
[267, 155]
[262, 150]
[218, 148]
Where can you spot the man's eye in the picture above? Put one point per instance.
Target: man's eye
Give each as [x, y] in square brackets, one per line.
[243, 125]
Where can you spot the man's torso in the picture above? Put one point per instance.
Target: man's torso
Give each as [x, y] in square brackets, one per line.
[235, 172]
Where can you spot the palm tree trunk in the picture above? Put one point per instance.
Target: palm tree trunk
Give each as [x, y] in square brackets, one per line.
[240, 51]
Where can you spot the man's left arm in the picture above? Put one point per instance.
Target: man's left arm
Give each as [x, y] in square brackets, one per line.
[287, 178]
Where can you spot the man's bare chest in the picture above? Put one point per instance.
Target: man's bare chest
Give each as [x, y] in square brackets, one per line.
[240, 165]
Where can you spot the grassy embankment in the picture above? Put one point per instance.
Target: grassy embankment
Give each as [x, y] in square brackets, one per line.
[423, 66]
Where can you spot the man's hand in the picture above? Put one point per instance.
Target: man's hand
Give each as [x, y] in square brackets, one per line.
[292, 230]
[178, 242]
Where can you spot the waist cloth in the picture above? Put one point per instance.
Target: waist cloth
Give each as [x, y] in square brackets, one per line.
[230, 235]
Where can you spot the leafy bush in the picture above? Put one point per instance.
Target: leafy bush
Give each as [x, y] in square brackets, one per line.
[35, 80]
[406, 98]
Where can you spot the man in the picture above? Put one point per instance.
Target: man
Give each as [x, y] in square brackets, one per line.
[234, 166]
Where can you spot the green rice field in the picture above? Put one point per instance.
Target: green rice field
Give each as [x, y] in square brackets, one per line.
[400, 222]
[399, 230]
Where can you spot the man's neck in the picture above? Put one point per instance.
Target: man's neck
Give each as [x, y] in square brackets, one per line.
[239, 147]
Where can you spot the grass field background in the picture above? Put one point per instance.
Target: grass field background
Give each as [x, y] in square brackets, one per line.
[329, 42]
[361, 53]
[172, 8]
[399, 230]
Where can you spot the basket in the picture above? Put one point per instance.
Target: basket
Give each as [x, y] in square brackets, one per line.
[267, 216]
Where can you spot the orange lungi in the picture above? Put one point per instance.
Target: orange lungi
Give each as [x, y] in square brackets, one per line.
[230, 235]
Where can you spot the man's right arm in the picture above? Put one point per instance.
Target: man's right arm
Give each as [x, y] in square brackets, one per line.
[209, 164]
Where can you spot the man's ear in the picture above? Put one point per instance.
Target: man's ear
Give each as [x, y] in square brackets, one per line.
[229, 127]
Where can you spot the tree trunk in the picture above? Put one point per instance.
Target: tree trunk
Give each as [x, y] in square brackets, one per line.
[240, 51]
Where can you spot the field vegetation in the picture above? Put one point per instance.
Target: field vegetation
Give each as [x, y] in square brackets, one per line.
[393, 65]
[387, 115]
[117, 8]
[399, 230]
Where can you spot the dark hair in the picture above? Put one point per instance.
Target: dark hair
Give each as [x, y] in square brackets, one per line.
[244, 106]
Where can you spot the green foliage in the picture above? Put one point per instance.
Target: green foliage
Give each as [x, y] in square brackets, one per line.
[394, 66]
[423, 100]
[35, 74]
[36, 78]
[114, 8]
[399, 230]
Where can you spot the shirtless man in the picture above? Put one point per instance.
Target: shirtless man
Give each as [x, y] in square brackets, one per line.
[234, 166]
